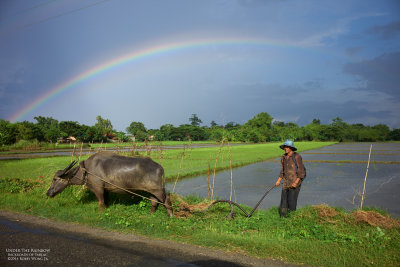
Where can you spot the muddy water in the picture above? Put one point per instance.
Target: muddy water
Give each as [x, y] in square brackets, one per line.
[113, 149]
[335, 184]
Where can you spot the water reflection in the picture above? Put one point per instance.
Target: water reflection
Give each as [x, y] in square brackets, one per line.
[335, 184]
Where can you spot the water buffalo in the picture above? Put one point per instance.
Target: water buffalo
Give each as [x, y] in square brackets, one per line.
[106, 171]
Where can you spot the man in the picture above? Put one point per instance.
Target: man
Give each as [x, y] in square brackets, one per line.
[292, 173]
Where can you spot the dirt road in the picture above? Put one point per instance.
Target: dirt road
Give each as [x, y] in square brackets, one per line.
[32, 241]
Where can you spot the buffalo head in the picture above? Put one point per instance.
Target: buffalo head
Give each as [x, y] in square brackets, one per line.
[61, 180]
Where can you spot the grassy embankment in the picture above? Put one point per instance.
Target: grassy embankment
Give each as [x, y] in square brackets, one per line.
[314, 236]
[24, 146]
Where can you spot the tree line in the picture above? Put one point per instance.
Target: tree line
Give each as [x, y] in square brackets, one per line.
[260, 128]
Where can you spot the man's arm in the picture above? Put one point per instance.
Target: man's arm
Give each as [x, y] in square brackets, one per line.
[301, 173]
[278, 182]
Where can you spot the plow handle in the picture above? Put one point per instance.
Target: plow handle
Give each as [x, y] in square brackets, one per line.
[259, 202]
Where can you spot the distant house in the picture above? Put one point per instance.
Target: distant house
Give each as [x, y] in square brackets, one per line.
[69, 139]
[111, 137]
[131, 137]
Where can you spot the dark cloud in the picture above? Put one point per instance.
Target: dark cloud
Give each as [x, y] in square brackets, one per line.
[302, 103]
[15, 91]
[351, 112]
[387, 31]
[258, 3]
[352, 51]
[380, 74]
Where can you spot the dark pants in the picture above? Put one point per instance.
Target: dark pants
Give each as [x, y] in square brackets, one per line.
[288, 200]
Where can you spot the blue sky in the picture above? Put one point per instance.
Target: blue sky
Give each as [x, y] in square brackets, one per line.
[314, 59]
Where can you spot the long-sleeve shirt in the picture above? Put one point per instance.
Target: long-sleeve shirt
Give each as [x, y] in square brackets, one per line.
[288, 170]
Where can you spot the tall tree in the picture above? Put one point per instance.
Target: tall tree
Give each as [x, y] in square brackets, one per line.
[166, 131]
[258, 129]
[8, 132]
[383, 131]
[231, 125]
[337, 129]
[260, 120]
[28, 131]
[213, 124]
[49, 127]
[70, 128]
[316, 121]
[194, 120]
[138, 130]
[104, 125]
[395, 135]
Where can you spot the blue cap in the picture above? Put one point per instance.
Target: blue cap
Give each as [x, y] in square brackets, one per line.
[288, 143]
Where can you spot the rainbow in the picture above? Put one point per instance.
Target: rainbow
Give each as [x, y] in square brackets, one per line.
[135, 56]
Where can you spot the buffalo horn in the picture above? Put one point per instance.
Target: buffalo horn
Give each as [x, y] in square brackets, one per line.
[70, 166]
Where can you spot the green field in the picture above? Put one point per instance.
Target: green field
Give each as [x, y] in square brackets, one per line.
[188, 161]
[333, 238]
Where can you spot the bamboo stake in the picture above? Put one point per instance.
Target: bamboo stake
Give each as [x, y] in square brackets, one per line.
[365, 179]
[73, 153]
[161, 153]
[80, 154]
[161, 158]
[148, 147]
[179, 171]
[208, 177]
[230, 167]
[134, 149]
[131, 148]
[215, 169]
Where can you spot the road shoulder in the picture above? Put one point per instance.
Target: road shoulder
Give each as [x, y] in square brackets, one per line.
[103, 236]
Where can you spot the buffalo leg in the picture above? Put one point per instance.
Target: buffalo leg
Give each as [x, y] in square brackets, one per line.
[100, 197]
[164, 198]
[154, 204]
[167, 204]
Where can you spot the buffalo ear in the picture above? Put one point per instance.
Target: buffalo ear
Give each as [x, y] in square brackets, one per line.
[82, 164]
[59, 173]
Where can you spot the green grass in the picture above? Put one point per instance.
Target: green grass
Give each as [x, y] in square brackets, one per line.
[150, 143]
[188, 161]
[304, 237]
[35, 146]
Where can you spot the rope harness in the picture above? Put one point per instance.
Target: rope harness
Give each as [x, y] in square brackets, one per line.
[85, 182]
[231, 203]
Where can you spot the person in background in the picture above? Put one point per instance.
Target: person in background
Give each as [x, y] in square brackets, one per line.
[292, 173]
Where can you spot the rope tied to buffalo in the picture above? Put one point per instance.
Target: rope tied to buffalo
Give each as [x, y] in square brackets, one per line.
[119, 187]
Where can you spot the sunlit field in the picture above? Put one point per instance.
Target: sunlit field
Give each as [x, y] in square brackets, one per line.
[315, 235]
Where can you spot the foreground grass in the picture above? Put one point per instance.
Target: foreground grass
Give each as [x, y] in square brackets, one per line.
[304, 237]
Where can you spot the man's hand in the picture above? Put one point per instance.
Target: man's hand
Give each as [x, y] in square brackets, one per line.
[278, 182]
[295, 183]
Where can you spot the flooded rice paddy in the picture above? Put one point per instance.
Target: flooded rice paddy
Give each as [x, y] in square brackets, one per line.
[338, 182]
[85, 151]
